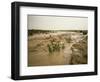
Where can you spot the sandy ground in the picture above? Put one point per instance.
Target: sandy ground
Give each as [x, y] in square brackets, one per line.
[38, 54]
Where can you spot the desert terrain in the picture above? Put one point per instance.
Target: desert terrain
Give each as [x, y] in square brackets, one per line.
[47, 48]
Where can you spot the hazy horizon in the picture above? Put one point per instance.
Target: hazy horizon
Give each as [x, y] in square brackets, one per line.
[57, 22]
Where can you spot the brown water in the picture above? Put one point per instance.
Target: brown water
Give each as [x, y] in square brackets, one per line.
[38, 54]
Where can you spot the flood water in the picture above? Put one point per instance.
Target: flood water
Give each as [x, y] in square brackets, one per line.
[52, 48]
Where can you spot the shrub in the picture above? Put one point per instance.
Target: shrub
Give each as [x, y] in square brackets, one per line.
[54, 46]
[50, 48]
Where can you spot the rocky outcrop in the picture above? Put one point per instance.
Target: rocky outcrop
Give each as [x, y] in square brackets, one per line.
[79, 52]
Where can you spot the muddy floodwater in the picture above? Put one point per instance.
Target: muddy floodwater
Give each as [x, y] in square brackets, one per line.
[57, 48]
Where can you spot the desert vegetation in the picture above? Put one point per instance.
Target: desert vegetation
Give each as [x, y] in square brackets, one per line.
[57, 47]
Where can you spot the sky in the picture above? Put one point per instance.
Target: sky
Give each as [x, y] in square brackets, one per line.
[43, 22]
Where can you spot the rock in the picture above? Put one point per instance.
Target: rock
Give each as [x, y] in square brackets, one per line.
[79, 52]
